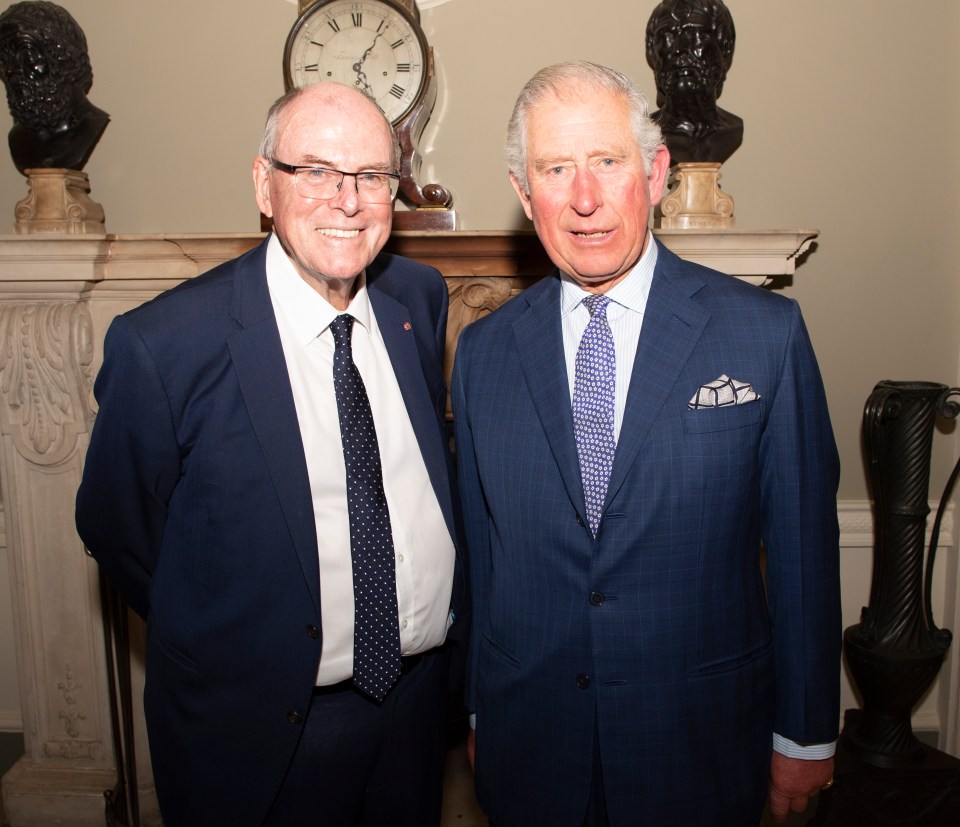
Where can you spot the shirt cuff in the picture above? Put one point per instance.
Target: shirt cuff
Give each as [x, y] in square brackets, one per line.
[473, 720]
[808, 752]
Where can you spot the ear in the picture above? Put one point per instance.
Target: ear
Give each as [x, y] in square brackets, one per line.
[523, 195]
[261, 185]
[658, 174]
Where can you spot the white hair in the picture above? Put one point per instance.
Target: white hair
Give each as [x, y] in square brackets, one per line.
[560, 80]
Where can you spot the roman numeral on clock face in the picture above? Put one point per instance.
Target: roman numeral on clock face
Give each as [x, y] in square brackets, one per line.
[397, 91]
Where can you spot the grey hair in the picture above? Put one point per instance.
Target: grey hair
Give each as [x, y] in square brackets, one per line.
[271, 130]
[576, 76]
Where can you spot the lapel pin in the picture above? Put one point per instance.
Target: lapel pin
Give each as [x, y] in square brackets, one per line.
[407, 326]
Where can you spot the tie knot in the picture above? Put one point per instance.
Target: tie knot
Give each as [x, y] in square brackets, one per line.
[596, 304]
[341, 328]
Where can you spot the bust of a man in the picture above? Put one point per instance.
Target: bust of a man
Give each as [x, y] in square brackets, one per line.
[690, 49]
[47, 73]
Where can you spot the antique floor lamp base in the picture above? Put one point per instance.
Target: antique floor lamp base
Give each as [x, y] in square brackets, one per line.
[925, 794]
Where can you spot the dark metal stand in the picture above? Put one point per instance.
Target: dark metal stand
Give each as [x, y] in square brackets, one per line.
[884, 775]
[121, 806]
[924, 794]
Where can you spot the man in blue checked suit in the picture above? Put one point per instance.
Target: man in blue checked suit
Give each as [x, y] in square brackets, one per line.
[629, 430]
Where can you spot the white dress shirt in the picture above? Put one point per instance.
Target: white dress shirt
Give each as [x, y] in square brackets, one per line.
[423, 547]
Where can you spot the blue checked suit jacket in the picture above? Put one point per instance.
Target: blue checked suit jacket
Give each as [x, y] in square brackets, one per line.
[196, 502]
[658, 639]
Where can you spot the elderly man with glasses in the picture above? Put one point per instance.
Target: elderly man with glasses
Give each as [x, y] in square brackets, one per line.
[268, 484]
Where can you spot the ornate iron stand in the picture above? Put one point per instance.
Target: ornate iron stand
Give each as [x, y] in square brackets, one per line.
[884, 775]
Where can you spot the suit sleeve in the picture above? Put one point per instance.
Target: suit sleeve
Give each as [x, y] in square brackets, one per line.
[474, 510]
[132, 466]
[799, 480]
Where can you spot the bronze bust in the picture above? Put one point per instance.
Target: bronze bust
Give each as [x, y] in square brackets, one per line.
[47, 73]
[690, 49]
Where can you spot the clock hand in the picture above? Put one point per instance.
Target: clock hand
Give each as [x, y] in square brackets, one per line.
[362, 78]
[358, 66]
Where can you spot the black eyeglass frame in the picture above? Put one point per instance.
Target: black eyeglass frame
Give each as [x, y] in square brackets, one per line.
[293, 169]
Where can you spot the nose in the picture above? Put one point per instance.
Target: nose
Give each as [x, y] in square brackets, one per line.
[586, 195]
[348, 196]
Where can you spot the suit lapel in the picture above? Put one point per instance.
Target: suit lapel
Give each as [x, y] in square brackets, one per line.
[393, 320]
[672, 325]
[259, 362]
[539, 339]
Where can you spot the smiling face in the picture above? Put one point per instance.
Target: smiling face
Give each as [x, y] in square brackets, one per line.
[332, 241]
[589, 197]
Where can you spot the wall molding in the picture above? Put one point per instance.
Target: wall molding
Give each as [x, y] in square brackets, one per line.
[11, 721]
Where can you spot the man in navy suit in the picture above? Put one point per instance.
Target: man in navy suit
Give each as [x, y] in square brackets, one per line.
[629, 430]
[215, 496]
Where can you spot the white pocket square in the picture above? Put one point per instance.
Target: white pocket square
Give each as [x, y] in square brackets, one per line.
[721, 392]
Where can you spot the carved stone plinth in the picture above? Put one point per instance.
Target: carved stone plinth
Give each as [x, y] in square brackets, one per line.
[59, 202]
[695, 200]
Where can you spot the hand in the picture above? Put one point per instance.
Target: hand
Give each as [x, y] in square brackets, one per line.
[471, 746]
[793, 781]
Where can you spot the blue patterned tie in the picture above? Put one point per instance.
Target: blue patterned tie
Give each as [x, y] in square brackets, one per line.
[376, 639]
[593, 403]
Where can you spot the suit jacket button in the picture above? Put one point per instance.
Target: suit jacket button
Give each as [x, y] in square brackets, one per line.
[313, 631]
[583, 681]
[294, 717]
[579, 520]
[596, 598]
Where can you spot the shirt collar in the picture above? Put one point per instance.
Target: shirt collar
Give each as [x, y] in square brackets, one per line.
[307, 313]
[631, 292]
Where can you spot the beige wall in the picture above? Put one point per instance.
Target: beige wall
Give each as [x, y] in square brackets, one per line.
[852, 127]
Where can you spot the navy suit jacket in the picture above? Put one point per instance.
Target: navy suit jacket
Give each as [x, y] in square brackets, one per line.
[656, 639]
[196, 502]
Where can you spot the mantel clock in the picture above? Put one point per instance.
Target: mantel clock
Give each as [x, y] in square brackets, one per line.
[379, 47]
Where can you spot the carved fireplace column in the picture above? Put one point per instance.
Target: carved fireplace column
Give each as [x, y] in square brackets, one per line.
[46, 349]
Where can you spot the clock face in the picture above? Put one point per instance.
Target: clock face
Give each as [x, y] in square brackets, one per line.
[373, 45]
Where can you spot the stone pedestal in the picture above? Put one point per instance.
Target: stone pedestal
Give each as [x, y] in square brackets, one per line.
[695, 200]
[59, 202]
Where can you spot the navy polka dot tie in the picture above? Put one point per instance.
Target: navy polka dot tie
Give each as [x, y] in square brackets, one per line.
[376, 641]
[593, 405]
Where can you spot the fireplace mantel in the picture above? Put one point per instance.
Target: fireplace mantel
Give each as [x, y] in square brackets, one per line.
[58, 294]
[754, 255]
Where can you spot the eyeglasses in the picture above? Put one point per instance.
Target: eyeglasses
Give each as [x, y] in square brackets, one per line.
[322, 184]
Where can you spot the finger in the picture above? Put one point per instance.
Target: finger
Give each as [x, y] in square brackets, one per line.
[779, 805]
[799, 803]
